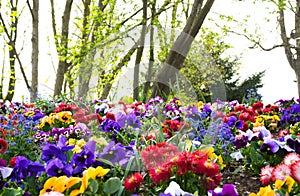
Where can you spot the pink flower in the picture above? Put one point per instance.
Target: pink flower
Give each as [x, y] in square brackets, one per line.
[280, 172]
[291, 158]
[52, 193]
[266, 175]
[295, 167]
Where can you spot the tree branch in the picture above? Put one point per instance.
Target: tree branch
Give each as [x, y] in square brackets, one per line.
[30, 9]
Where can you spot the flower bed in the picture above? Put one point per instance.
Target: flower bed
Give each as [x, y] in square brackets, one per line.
[154, 148]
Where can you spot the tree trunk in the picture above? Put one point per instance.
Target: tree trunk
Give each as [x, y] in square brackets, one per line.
[293, 60]
[85, 73]
[297, 61]
[12, 76]
[151, 55]
[62, 64]
[180, 49]
[139, 54]
[35, 49]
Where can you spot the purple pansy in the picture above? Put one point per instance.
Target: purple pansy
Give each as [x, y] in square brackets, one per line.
[113, 152]
[25, 168]
[228, 189]
[109, 125]
[57, 168]
[51, 151]
[270, 146]
[86, 157]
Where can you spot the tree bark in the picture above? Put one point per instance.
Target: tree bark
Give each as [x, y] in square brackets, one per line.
[180, 49]
[151, 54]
[35, 48]
[62, 50]
[139, 54]
[86, 71]
[293, 59]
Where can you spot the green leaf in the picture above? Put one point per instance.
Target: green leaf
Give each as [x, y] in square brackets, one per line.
[112, 185]
[11, 192]
[93, 186]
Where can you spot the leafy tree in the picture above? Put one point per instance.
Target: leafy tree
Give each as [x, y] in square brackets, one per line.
[181, 47]
[208, 65]
[9, 20]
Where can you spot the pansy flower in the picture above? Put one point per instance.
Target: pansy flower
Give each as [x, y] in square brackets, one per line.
[113, 152]
[56, 167]
[57, 184]
[51, 151]
[270, 146]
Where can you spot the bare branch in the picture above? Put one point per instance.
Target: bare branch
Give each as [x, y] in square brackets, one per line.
[30, 9]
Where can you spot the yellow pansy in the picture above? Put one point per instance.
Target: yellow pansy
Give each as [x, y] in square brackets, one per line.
[80, 143]
[76, 149]
[64, 116]
[57, 184]
[258, 121]
[289, 181]
[264, 191]
[72, 181]
[30, 113]
[100, 171]
[275, 118]
[72, 142]
[90, 173]
[200, 105]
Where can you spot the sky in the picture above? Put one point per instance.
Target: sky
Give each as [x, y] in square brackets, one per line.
[278, 80]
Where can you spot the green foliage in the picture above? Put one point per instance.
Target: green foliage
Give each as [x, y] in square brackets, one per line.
[208, 65]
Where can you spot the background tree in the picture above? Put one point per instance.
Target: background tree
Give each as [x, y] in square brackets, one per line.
[34, 10]
[289, 40]
[9, 20]
[224, 69]
[175, 59]
[61, 42]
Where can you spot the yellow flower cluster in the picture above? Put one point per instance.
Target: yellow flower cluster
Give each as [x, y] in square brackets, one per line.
[213, 157]
[286, 184]
[63, 117]
[63, 183]
[294, 129]
[266, 120]
[78, 145]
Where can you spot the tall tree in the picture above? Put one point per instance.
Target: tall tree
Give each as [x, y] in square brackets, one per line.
[181, 48]
[61, 42]
[11, 31]
[151, 53]
[292, 53]
[34, 10]
[139, 53]
[290, 41]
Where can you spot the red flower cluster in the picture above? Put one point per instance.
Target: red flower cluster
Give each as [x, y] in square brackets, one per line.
[65, 107]
[133, 181]
[196, 163]
[171, 126]
[13, 161]
[156, 155]
[3, 146]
